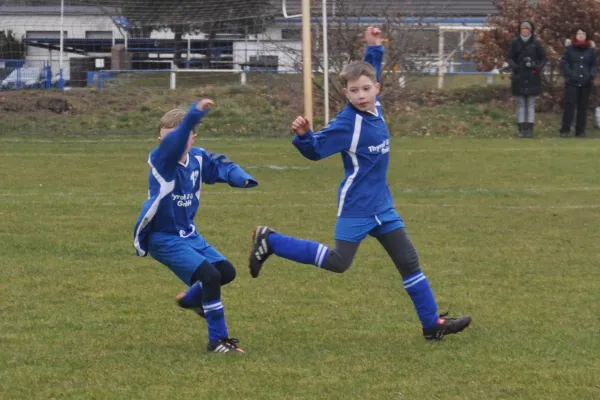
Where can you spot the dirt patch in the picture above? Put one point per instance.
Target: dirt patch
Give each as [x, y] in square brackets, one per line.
[53, 104]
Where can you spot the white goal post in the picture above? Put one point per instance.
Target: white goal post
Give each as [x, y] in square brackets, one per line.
[307, 56]
[442, 58]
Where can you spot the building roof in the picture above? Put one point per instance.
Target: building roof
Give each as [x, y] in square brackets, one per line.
[18, 10]
[406, 8]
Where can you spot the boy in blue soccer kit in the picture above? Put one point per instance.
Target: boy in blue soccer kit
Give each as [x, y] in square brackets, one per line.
[166, 230]
[365, 205]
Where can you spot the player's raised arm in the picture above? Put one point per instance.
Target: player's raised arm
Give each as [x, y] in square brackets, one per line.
[217, 168]
[174, 144]
[334, 138]
[374, 51]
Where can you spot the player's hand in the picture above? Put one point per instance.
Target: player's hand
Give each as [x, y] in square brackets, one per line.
[204, 104]
[373, 36]
[301, 125]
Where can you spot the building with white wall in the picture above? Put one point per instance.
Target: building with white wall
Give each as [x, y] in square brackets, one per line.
[82, 25]
[44, 22]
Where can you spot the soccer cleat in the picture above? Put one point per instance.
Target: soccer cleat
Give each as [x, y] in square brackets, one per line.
[197, 309]
[447, 326]
[260, 249]
[228, 345]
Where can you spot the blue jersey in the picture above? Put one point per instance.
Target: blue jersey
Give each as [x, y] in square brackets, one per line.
[175, 186]
[363, 140]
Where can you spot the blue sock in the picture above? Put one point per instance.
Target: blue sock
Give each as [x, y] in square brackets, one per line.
[193, 296]
[417, 287]
[215, 317]
[302, 251]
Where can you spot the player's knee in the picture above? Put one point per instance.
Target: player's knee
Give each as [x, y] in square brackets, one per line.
[336, 263]
[409, 264]
[227, 271]
[208, 275]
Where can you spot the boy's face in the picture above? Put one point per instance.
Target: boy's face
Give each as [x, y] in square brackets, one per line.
[362, 93]
[164, 132]
[581, 36]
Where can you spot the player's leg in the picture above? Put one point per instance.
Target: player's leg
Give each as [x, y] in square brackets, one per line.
[218, 334]
[227, 271]
[213, 256]
[349, 233]
[204, 280]
[192, 298]
[266, 242]
[340, 259]
[394, 239]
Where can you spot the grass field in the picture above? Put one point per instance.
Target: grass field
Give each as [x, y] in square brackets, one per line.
[507, 231]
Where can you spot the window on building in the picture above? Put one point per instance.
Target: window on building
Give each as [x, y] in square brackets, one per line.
[44, 34]
[291, 34]
[98, 34]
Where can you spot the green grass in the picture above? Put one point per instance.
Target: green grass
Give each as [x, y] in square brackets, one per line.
[507, 231]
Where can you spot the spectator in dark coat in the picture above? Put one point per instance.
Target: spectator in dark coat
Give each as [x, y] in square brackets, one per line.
[579, 67]
[527, 59]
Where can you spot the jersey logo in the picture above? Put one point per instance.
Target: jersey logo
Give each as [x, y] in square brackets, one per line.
[183, 200]
[382, 148]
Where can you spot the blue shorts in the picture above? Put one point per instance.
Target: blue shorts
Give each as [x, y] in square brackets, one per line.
[356, 229]
[183, 256]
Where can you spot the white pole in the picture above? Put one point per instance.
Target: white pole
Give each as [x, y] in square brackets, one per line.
[173, 79]
[441, 60]
[189, 52]
[62, 14]
[325, 62]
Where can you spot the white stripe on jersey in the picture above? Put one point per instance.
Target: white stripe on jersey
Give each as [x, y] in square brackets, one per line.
[165, 189]
[199, 158]
[352, 154]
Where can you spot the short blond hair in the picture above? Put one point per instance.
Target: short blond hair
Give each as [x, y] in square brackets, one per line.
[171, 119]
[355, 70]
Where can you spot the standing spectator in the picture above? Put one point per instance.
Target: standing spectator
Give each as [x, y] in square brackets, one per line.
[579, 67]
[526, 58]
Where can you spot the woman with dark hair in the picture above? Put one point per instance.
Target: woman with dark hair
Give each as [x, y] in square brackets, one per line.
[579, 67]
[526, 58]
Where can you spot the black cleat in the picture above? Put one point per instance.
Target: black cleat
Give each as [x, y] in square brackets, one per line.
[447, 326]
[228, 345]
[260, 249]
[197, 309]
